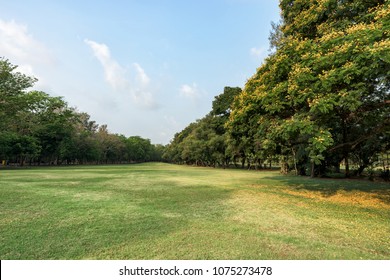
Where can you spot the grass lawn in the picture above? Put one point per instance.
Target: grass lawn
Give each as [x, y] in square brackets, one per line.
[162, 211]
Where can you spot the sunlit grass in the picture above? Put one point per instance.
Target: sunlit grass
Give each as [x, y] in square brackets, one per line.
[162, 211]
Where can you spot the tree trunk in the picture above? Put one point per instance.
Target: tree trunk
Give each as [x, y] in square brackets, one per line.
[361, 169]
[345, 151]
[235, 161]
[312, 172]
[295, 161]
[243, 163]
[284, 166]
[346, 161]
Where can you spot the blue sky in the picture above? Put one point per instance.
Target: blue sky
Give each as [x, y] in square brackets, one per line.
[143, 67]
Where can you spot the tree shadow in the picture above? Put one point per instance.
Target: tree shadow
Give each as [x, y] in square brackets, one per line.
[327, 187]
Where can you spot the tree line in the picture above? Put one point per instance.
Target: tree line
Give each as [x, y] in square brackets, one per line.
[321, 98]
[37, 128]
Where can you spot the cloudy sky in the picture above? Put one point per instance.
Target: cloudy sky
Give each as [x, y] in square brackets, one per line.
[143, 67]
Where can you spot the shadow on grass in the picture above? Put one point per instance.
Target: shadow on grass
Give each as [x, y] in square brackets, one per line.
[329, 187]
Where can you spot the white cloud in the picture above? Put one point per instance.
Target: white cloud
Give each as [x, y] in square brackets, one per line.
[257, 52]
[190, 91]
[141, 76]
[22, 49]
[113, 72]
[138, 86]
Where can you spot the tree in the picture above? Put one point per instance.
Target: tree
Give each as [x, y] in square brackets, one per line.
[13, 86]
[139, 149]
[322, 94]
[52, 124]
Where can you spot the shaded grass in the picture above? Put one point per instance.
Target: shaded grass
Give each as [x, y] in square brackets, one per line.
[161, 211]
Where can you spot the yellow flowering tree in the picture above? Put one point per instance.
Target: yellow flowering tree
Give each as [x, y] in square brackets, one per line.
[323, 95]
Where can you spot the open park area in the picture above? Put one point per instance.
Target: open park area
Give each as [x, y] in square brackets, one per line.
[164, 211]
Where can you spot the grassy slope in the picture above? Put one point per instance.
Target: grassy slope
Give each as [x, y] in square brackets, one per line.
[161, 211]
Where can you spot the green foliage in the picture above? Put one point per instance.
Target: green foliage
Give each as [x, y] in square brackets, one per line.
[139, 149]
[222, 103]
[13, 87]
[13, 144]
[325, 87]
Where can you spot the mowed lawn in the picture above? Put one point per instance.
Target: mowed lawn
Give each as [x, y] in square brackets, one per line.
[163, 211]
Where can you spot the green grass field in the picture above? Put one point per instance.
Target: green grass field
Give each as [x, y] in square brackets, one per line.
[162, 211]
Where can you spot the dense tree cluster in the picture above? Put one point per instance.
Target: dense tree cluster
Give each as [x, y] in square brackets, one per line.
[36, 128]
[205, 142]
[322, 97]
